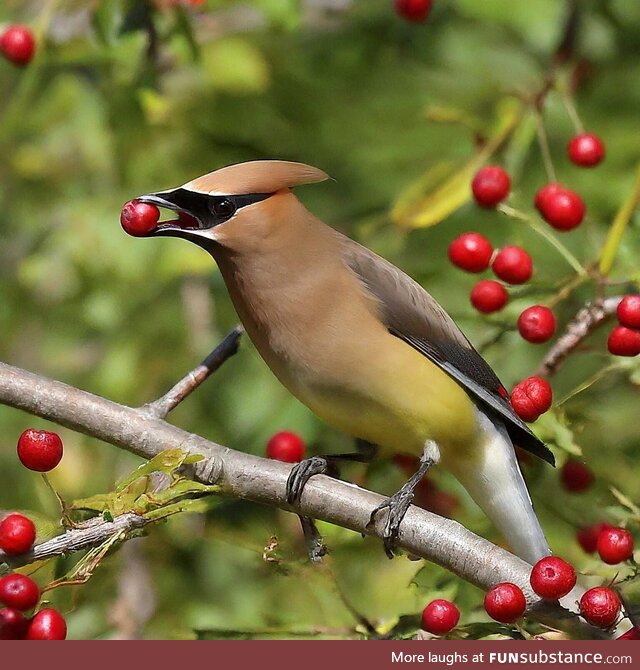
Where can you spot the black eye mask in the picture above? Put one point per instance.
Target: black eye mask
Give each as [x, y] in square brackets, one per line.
[211, 210]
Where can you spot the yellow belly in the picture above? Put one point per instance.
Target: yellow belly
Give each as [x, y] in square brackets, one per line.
[394, 397]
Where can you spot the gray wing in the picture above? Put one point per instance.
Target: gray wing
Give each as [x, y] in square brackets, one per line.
[412, 315]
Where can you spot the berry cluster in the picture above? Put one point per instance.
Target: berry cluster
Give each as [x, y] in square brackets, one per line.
[551, 578]
[614, 545]
[20, 594]
[17, 44]
[41, 451]
[624, 339]
[512, 264]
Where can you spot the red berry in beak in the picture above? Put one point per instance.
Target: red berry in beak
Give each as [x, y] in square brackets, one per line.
[139, 218]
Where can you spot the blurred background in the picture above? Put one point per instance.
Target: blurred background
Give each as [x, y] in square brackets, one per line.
[128, 97]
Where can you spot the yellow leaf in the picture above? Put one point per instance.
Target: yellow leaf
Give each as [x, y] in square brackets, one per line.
[446, 187]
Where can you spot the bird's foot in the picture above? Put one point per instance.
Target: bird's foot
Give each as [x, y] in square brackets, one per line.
[398, 504]
[400, 501]
[316, 548]
[301, 473]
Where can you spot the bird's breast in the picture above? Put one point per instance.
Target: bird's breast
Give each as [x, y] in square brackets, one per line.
[323, 338]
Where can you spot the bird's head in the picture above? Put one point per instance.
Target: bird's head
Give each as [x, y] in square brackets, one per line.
[231, 204]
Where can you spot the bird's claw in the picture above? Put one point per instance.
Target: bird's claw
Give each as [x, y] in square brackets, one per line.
[300, 475]
[398, 505]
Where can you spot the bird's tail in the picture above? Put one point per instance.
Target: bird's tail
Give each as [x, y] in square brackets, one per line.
[496, 484]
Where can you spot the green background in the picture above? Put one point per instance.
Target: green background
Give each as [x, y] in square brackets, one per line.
[99, 117]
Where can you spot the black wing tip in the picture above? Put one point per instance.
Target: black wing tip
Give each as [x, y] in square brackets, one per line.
[534, 446]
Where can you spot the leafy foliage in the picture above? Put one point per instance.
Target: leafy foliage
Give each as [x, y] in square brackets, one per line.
[128, 97]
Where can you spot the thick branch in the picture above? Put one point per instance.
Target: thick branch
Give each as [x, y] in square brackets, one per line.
[241, 475]
[584, 323]
[161, 407]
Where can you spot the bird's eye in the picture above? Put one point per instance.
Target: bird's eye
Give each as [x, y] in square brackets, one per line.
[223, 208]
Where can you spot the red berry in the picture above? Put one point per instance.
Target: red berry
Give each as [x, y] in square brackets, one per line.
[47, 624]
[588, 537]
[17, 44]
[17, 534]
[440, 617]
[19, 592]
[139, 218]
[631, 634]
[471, 252]
[531, 397]
[413, 10]
[488, 296]
[552, 577]
[505, 602]
[586, 150]
[513, 265]
[286, 446]
[576, 477]
[537, 324]
[39, 450]
[545, 192]
[563, 209]
[624, 341]
[490, 186]
[600, 606]
[13, 625]
[615, 545]
[629, 311]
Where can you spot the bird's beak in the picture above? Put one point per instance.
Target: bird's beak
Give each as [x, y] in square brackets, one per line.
[186, 224]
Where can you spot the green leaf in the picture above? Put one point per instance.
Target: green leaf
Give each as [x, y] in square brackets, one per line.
[625, 502]
[552, 428]
[167, 461]
[618, 228]
[446, 187]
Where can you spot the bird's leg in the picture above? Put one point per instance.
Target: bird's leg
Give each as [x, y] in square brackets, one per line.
[316, 548]
[400, 501]
[323, 465]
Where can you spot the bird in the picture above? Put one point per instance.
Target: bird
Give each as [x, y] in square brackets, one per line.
[359, 342]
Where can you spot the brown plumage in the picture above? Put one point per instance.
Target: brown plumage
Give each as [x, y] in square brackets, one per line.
[256, 177]
[357, 340]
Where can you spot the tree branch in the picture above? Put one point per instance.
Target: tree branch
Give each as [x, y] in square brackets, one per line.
[249, 477]
[88, 535]
[161, 407]
[584, 323]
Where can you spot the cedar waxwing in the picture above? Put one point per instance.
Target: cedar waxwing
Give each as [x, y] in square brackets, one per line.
[359, 342]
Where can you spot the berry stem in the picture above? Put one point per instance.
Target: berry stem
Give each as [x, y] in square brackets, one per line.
[583, 324]
[67, 521]
[547, 235]
[572, 112]
[618, 228]
[544, 148]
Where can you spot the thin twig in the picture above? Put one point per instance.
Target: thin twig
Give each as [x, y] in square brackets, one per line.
[544, 147]
[244, 476]
[584, 323]
[161, 407]
[90, 534]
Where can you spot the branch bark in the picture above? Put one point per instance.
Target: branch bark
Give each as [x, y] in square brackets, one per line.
[91, 534]
[161, 407]
[584, 323]
[249, 477]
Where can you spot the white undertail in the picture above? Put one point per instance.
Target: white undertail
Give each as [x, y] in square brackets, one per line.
[496, 484]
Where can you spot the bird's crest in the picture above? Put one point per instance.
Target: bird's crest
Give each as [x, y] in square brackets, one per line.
[256, 177]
